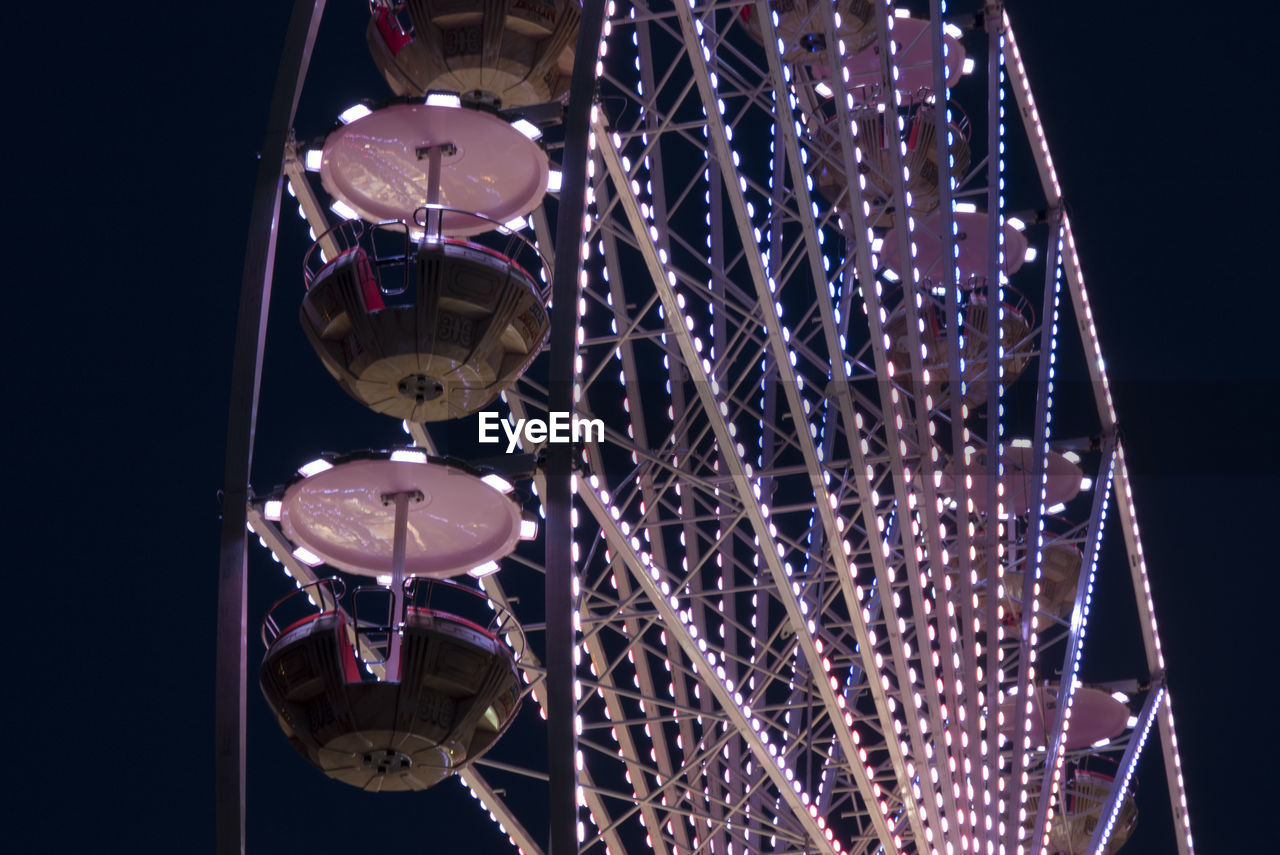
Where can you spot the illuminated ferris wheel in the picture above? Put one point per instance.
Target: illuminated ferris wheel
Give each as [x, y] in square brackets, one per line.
[829, 398]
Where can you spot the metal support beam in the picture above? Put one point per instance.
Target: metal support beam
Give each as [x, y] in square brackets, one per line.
[715, 677]
[1111, 809]
[1107, 413]
[562, 746]
[251, 327]
[1057, 748]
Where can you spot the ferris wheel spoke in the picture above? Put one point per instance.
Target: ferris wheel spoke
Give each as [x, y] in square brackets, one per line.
[715, 677]
[859, 217]
[724, 155]
[1106, 411]
[502, 814]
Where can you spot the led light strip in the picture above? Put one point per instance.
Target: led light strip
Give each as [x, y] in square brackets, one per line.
[1155, 653]
[802, 184]
[960, 437]
[678, 689]
[309, 208]
[1033, 548]
[742, 473]
[1106, 410]
[586, 791]
[498, 812]
[643, 679]
[706, 663]
[924, 527]
[713, 178]
[1129, 763]
[996, 798]
[778, 336]
[1057, 748]
[860, 210]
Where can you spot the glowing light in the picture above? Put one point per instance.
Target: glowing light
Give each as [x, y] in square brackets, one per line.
[485, 569]
[409, 455]
[528, 529]
[312, 159]
[443, 99]
[352, 113]
[315, 467]
[342, 209]
[528, 128]
[307, 557]
[497, 482]
[272, 510]
[554, 179]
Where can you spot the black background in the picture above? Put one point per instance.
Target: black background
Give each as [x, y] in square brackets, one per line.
[132, 137]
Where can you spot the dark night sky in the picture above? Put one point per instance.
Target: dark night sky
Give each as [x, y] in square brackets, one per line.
[142, 127]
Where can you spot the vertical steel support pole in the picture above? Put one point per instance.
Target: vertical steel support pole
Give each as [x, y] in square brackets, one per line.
[995, 798]
[562, 744]
[399, 537]
[251, 326]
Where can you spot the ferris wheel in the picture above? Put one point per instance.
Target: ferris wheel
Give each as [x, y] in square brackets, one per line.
[829, 400]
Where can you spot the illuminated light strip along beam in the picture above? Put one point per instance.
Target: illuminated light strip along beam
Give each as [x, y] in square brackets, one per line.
[1056, 752]
[652, 117]
[995, 798]
[587, 796]
[596, 805]
[1106, 410]
[715, 678]
[777, 340]
[928, 455]
[638, 430]
[827, 435]
[499, 812]
[1033, 548]
[600, 816]
[1128, 764]
[904, 493]
[599, 662]
[645, 682]
[859, 210]
[741, 473]
[766, 395]
[1155, 653]
[309, 206]
[960, 438]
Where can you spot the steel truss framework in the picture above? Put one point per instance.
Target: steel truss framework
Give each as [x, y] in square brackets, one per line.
[786, 641]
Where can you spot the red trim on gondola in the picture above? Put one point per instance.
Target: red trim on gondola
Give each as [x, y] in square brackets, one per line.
[423, 611]
[393, 36]
[369, 289]
[297, 623]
